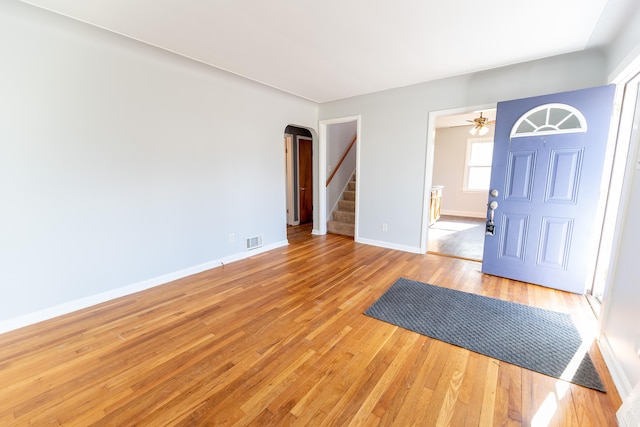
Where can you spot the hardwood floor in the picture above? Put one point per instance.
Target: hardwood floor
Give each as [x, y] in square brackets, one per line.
[281, 339]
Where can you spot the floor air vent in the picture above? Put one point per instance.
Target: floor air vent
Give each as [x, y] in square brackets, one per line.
[253, 242]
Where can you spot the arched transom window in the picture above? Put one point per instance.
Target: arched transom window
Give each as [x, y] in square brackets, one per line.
[549, 119]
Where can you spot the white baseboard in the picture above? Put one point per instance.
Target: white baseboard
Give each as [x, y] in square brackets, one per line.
[628, 414]
[82, 303]
[387, 245]
[622, 383]
[469, 214]
[242, 255]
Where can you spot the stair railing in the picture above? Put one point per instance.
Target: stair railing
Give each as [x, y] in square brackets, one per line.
[344, 156]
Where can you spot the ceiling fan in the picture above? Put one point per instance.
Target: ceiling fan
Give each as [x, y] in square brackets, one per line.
[480, 125]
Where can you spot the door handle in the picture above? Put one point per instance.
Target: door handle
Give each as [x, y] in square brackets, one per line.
[491, 226]
[302, 188]
[492, 209]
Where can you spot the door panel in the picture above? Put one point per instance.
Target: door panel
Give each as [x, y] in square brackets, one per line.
[563, 176]
[305, 158]
[555, 237]
[514, 236]
[548, 188]
[520, 175]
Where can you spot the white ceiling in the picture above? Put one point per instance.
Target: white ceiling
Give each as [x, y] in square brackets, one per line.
[333, 49]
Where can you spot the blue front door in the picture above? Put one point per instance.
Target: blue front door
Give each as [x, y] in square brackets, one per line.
[546, 176]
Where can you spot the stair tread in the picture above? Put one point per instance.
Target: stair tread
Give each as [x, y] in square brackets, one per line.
[343, 216]
[343, 228]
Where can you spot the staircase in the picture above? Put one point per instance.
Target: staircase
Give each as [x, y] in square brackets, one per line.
[344, 216]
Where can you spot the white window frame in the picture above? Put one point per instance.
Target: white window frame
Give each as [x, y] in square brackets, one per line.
[550, 127]
[468, 166]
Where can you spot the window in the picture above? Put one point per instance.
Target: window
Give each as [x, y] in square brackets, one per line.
[549, 119]
[477, 168]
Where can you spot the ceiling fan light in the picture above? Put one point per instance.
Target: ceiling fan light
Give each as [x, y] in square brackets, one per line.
[473, 130]
[483, 130]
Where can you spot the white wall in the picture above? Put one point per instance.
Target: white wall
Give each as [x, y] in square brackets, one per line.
[448, 170]
[120, 162]
[625, 47]
[393, 142]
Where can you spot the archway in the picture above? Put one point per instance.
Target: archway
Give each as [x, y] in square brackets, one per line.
[299, 176]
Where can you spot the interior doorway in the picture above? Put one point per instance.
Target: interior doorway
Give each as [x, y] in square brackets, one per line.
[338, 171]
[430, 179]
[305, 178]
[299, 171]
[625, 163]
[459, 180]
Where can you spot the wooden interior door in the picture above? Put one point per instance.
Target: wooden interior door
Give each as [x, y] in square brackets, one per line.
[305, 164]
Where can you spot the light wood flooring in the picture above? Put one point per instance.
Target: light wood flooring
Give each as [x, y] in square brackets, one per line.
[281, 339]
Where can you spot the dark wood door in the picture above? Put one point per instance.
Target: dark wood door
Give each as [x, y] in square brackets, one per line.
[306, 180]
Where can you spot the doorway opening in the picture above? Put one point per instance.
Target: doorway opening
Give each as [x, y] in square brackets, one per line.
[460, 177]
[298, 151]
[539, 209]
[338, 176]
[622, 167]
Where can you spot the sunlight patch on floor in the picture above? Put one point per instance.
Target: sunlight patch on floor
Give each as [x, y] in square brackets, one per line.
[543, 417]
[436, 233]
[452, 226]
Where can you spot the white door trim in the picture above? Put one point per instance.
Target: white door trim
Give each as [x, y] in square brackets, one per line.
[290, 180]
[428, 175]
[627, 157]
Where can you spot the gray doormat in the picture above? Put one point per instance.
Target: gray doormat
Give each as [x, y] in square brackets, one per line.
[540, 340]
